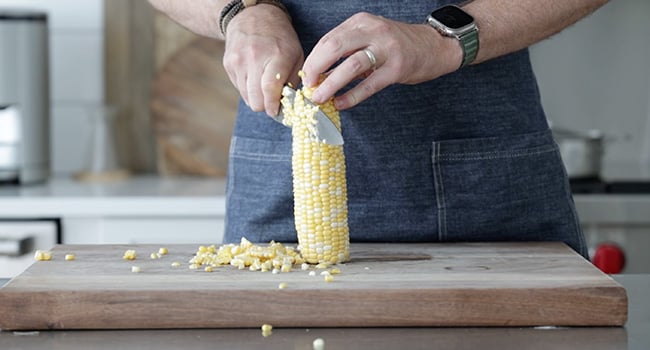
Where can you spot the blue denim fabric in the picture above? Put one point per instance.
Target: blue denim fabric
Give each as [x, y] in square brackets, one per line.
[465, 157]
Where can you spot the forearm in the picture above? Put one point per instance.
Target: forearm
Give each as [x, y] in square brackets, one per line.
[199, 16]
[509, 25]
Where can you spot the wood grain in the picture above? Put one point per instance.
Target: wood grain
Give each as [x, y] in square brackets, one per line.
[491, 284]
[194, 107]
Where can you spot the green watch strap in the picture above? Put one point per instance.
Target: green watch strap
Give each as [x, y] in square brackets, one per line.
[469, 44]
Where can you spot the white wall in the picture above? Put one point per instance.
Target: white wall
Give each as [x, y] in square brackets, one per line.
[596, 74]
[76, 74]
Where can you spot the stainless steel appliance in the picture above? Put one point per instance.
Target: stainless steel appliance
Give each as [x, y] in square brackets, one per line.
[24, 97]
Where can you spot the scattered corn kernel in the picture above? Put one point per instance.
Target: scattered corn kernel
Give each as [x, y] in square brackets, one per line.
[43, 255]
[176, 264]
[69, 257]
[304, 266]
[329, 278]
[283, 285]
[266, 329]
[277, 76]
[335, 271]
[163, 251]
[153, 256]
[323, 265]
[194, 266]
[318, 344]
[312, 273]
[366, 268]
[136, 269]
[319, 183]
[129, 255]
[208, 269]
[274, 257]
[325, 273]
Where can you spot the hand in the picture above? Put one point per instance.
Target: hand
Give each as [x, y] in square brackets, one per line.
[404, 53]
[260, 44]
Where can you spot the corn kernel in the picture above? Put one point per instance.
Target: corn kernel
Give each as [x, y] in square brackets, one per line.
[176, 264]
[266, 329]
[43, 255]
[69, 257]
[325, 273]
[283, 285]
[304, 266]
[318, 344]
[153, 256]
[277, 76]
[194, 266]
[335, 271]
[163, 251]
[208, 269]
[329, 278]
[312, 273]
[136, 269]
[129, 255]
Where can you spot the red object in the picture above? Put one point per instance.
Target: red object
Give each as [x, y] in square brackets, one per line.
[609, 258]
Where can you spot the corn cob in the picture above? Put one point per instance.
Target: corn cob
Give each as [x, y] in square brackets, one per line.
[319, 185]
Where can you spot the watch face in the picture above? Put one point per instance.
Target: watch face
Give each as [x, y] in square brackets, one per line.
[452, 17]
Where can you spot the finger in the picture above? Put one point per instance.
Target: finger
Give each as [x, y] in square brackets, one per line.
[352, 67]
[254, 90]
[350, 36]
[375, 82]
[273, 79]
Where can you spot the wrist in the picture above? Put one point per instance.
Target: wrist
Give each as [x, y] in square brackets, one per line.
[235, 7]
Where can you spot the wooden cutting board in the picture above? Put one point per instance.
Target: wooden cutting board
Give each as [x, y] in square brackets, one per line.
[462, 284]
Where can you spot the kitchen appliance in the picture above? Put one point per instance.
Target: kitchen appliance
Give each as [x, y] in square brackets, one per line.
[582, 153]
[24, 97]
[20, 238]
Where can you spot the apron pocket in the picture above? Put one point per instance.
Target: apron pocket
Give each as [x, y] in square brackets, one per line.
[511, 188]
[259, 191]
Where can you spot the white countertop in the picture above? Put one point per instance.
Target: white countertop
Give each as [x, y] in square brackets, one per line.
[156, 196]
[137, 196]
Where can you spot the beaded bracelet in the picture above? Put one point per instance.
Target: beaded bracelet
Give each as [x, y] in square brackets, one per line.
[236, 6]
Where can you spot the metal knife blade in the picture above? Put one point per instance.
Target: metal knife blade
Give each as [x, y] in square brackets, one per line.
[327, 131]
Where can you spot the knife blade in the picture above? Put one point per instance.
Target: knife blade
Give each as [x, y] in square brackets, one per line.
[327, 131]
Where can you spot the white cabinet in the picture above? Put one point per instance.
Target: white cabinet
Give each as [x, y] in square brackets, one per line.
[128, 230]
[144, 209]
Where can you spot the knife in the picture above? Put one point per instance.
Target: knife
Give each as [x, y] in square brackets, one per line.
[327, 131]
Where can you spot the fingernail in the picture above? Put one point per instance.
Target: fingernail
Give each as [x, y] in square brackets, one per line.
[317, 97]
[339, 103]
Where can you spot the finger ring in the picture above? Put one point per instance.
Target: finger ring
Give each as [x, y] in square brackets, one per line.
[371, 57]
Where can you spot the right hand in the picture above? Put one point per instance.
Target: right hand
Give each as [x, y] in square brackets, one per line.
[260, 44]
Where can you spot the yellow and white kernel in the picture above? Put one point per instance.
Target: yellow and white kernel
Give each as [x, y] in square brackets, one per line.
[163, 251]
[43, 255]
[129, 255]
[329, 278]
[283, 285]
[176, 264]
[136, 269]
[318, 344]
[266, 329]
[69, 257]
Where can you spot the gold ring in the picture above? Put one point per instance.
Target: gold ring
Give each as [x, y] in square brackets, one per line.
[371, 57]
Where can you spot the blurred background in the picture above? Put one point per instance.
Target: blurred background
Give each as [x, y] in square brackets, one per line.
[119, 103]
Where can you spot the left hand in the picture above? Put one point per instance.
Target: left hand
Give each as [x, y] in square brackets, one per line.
[404, 53]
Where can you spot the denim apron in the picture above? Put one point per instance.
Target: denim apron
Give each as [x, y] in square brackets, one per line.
[465, 157]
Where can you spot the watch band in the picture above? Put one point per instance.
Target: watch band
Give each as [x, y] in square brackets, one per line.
[469, 44]
[236, 6]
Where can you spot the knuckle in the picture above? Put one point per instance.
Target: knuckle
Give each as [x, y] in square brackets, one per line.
[355, 64]
[331, 43]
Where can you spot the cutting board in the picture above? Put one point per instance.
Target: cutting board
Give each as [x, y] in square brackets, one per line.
[451, 284]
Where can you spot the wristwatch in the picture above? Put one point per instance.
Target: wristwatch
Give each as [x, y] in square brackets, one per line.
[452, 21]
[236, 6]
